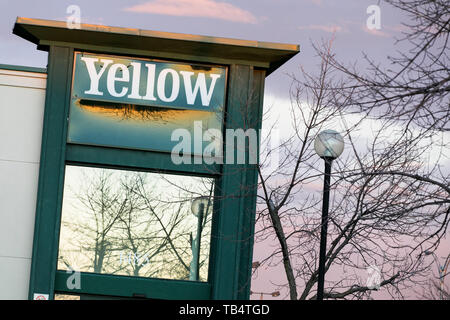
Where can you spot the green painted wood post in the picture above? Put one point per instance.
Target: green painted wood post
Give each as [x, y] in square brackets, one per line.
[248, 213]
[51, 172]
[236, 190]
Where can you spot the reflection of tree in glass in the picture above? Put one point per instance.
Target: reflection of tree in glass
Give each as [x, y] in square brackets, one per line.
[133, 224]
[98, 208]
[126, 111]
[178, 204]
[144, 114]
[137, 236]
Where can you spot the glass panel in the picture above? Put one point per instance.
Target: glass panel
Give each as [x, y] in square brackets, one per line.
[143, 117]
[135, 223]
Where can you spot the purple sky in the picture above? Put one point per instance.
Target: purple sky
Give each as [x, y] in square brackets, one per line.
[288, 21]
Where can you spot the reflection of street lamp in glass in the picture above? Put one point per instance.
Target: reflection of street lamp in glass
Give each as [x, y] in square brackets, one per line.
[442, 270]
[199, 207]
[328, 145]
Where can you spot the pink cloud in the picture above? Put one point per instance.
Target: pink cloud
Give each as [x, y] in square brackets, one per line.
[195, 8]
[376, 32]
[399, 28]
[326, 28]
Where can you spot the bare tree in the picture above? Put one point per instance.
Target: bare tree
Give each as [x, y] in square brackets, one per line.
[415, 86]
[391, 194]
[434, 291]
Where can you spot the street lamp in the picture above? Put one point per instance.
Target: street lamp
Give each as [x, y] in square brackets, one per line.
[199, 206]
[328, 145]
[442, 270]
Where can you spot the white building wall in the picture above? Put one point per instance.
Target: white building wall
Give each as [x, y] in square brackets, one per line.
[22, 99]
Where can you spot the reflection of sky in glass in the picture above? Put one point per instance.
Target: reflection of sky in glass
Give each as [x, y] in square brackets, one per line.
[132, 223]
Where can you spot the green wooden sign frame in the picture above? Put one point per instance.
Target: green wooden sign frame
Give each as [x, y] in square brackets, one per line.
[236, 184]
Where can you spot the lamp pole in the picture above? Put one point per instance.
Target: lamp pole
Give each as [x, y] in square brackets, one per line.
[199, 206]
[324, 228]
[198, 240]
[328, 145]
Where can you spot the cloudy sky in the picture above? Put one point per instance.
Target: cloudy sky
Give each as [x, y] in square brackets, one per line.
[301, 22]
[290, 21]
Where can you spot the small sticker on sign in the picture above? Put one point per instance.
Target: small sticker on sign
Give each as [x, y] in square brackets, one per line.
[40, 296]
